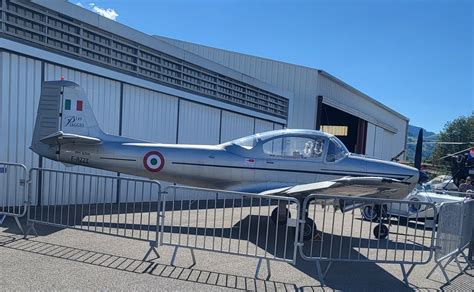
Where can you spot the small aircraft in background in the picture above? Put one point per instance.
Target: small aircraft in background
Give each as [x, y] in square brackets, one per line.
[283, 162]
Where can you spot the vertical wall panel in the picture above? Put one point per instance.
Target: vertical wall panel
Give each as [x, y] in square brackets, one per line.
[149, 115]
[20, 87]
[263, 126]
[378, 147]
[198, 124]
[277, 126]
[235, 126]
[370, 142]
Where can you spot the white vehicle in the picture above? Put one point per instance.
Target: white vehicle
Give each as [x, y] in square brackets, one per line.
[441, 182]
[410, 211]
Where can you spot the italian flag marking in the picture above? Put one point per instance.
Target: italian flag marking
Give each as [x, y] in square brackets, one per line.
[153, 161]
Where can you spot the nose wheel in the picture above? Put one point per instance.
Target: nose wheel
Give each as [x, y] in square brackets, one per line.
[381, 231]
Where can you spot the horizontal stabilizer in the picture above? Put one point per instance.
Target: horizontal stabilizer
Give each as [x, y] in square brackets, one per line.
[65, 138]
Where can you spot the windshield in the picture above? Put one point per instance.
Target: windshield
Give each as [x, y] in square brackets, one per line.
[336, 150]
[245, 142]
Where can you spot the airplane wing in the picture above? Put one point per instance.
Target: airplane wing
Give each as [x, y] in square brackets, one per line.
[375, 187]
[65, 138]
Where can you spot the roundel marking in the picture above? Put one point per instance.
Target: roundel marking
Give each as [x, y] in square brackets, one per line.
[154, 161]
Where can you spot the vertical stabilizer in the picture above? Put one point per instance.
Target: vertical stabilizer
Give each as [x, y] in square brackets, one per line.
[63, 107]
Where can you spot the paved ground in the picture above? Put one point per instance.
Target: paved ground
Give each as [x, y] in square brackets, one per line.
[72, 259]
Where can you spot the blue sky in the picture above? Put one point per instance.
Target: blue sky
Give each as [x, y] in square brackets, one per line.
[415, 56]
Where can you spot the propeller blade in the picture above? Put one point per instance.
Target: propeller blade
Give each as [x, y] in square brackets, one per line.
[419, 149]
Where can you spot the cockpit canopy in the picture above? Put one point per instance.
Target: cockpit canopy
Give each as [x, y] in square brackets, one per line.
[291, 143]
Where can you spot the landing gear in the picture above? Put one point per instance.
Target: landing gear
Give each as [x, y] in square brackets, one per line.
[381, 231]
[373, 213]
[280, 215]
[310, 231]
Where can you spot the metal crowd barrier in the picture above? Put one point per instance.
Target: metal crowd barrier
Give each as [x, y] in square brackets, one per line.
[230, 223]
[262, 227]
[13, 191]
[117, 206]
[454, 234]
[370, 230]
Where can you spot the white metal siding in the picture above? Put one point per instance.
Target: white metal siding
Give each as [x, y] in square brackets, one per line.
[263, 126]
[370, 142]
[198, 124]
[20, 87]
[378, 146]
[149, 115]
[234, 126]
[302, 81]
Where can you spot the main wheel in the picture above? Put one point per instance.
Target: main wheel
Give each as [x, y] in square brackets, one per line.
[381, 231]
[369, 213]
[309, 229]
[280, 219]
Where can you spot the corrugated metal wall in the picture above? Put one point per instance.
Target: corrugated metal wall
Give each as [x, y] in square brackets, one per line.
[234, 126]
[146, 114]
[149, 115]
[302, 81]
[198, 124]
[20, 87]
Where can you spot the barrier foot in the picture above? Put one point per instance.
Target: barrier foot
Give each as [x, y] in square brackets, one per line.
[31, 227]
[459, 265]
[405, 274]
[19, 225]
[175, 252]
[150, 250]
[466, 258]
[439, 264]
[2, 219]
[320, 273]
[259, 265]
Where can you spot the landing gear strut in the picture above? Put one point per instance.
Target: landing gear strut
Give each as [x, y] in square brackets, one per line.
[280, 214]
[280, 217]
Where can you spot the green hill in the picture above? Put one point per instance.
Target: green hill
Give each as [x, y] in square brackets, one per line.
[412, 137]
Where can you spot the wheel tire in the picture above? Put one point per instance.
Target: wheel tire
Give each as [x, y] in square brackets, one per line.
[381, 231]
[281, 220]
[369, 213]
[308, 228]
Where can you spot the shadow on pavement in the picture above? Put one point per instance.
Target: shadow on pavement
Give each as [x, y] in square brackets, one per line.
[131, 265]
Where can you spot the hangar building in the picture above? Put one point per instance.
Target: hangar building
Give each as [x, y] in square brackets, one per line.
[170, 91]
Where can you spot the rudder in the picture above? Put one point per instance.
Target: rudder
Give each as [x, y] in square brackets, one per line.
[63, 107]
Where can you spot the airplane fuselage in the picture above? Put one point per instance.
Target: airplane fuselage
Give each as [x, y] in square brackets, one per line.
[218, 167]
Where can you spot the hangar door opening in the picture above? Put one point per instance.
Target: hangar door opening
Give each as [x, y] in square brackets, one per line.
[351, 130]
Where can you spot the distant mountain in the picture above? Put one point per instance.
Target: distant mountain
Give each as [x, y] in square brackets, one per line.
[412, 137]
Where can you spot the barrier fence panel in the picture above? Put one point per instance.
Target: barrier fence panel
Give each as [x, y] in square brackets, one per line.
[454, 234]
[118, 206]
[370, 230]
[13, 191]
[230, 222]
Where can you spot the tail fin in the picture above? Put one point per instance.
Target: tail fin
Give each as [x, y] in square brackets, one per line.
[63, 108]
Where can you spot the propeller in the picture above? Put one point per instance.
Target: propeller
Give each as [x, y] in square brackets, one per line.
[418, 153]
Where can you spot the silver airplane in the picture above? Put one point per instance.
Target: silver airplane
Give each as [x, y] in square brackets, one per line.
[282, 162]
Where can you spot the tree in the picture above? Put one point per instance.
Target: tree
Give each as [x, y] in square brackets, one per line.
[458, 130]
